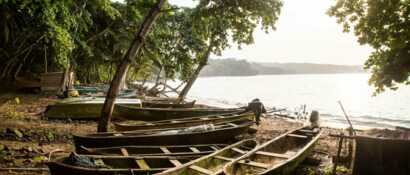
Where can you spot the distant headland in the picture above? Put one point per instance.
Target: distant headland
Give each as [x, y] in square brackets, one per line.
[240, 67]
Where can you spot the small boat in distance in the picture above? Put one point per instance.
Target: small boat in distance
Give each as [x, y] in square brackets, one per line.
[155, 114]
[203, 134]
[184, 122]
[173, 150]
[280, 155]
[213, 163]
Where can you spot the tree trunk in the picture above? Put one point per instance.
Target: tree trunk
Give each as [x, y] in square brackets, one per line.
[195, 75]
[123, 67]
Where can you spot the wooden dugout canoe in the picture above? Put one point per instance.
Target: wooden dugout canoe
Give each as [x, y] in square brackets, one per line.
[279, 156]
[223, 133]
[124, 165]
[83, 108]
[213, 163]
[185, 122]
[173, 150]
[155, 114]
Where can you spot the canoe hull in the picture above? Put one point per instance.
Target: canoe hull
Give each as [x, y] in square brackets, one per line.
[83, 108]
[279, 156]
[156, 114]
[218, 136]
[187, 122]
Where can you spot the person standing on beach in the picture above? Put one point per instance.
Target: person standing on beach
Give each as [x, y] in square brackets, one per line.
[257, 107]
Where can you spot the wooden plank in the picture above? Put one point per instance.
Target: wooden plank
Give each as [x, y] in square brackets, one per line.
[255, 164]
[176, 163]
[297, 136]
[273, 154]
[118, 134]
[214, 148]
[195, 150]
[165, 150]
[223, 158]
[124, 152]
[307, 131]
[238, 150]
[142, 164]
[232, 124]
[201, 170]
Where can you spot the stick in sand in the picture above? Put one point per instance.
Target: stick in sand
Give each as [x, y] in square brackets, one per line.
[347, 117]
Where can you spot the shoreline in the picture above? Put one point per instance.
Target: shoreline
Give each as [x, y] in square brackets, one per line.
[323, 121]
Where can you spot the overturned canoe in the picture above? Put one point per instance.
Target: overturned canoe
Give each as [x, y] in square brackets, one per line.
[203, 134]
[184, 122]
[114, 165]
[213, 163]
[155, 114]
[166, 104]
[173, 150]
[82, 108]
[280, 155]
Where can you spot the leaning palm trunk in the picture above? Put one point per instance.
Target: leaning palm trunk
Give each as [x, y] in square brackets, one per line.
[132, 52]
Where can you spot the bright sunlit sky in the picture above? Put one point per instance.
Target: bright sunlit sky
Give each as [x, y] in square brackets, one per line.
[304, 34]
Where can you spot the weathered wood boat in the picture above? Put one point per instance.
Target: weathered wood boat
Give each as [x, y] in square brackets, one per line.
[203, 134]
[213, 163]
[280, 155]
[114, 165]
[166, 104]
[382, 155]
[173, 150]
[82, 108]
[184, 122]
[155, 114]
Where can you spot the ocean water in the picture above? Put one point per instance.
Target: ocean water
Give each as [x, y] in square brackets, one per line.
[319, 92]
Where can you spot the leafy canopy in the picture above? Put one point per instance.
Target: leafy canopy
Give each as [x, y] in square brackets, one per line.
[384, 25]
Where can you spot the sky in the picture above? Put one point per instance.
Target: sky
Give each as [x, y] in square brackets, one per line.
[304, 34]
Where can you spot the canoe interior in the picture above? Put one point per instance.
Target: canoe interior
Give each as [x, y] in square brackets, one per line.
[278, 156]
[119, 165]
[221, 135]
[213, 163]
[154, 150]
[166, 104]
[185, 122]
[220, 126]
[155, 114]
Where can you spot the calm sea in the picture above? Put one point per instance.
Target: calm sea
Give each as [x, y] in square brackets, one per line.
[318, 92]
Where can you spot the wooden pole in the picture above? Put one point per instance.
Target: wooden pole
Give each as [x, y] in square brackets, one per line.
[352, 132]
[347, 118]
[339, 149]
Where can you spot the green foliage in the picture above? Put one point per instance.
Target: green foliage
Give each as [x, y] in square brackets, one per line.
[92, 36]
[11, 109]
[384, 25]
[219, 21]
[339, 170]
